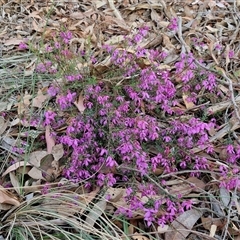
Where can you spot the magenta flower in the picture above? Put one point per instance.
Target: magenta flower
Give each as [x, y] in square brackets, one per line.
[22, 46]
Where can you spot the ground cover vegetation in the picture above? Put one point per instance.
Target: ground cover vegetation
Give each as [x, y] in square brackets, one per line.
[125, 130]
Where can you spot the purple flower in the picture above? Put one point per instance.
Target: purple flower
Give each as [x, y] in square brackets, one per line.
[49, 117]
[110, 162]
[173, 24]
[53, 91]
[187, 204]
[22, 46]
[149, 216]
[66, 36]
[230, 149]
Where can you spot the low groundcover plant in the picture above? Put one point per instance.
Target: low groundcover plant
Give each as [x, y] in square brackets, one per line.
[131, 126]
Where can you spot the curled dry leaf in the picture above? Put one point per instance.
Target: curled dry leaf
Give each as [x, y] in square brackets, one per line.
[15, 182]
[7, 197]
[16, 166]
[138, 236]
[79, 103]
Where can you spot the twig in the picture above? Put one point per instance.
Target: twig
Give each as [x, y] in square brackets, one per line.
[185, 47]
[230, 86]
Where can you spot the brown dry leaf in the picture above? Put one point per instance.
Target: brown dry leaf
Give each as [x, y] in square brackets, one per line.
[35, 14]
[46, 164]
[39, 99]
[181, 226]
[8, 197]
[188, 103]
[15, 166]
[138, 236]
[86, 198]
[227, 54]
[15, 182]
[79, 103]
[114, 39]
[23, 103]
[155, 16]
[57, 152]
[198, 184]
[167, 43]
[163, 229]
[224, 89]
[37, 27]
[210, 47]
[207, 222]
[220, 106]
[114, 194]
[103, 66]
[115, 11]
[35, 159]
[13, 41]
[49, 139]
[5, 206]
[3, 125]
[180, 189]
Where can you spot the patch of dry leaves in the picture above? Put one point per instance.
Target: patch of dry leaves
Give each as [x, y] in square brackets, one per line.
[105, 22]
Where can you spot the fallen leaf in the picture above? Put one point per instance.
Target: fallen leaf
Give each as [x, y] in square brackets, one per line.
[57, 152]
[182, 224]
[13, 41]
[225, 196]
[79, 103]
[189, 104]
[7, 197]
[114, 194]
[163, 229]
[3, 125]
[35, 159]
[15, 182]
[15, 166]
[198, 185]
[39, 99]
[207, 222]
[137, 236]
[49, 139]
[23, 103]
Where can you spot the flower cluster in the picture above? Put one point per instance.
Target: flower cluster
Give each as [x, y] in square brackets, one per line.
[131, 127]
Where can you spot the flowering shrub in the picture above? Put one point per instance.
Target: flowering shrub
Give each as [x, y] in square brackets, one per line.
[111, 140]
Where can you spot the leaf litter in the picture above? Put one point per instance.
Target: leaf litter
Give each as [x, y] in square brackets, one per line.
[204, 25]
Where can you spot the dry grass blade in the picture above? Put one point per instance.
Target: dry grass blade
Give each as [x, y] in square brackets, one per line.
[57, 216]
